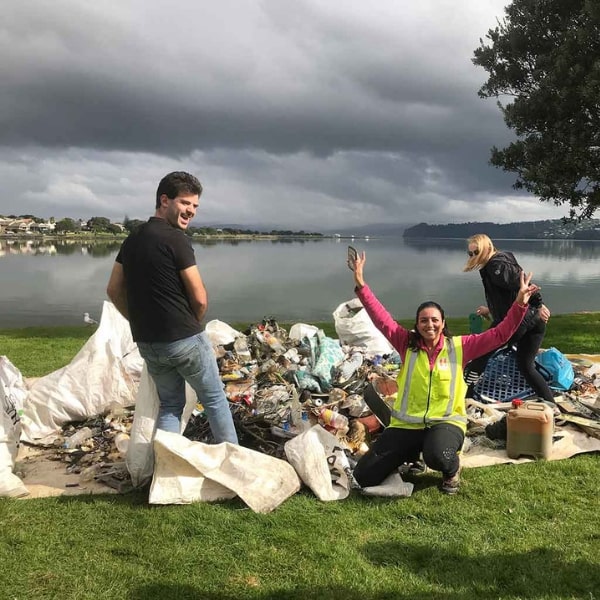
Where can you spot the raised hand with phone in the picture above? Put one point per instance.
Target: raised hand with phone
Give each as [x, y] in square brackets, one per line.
[356, 262]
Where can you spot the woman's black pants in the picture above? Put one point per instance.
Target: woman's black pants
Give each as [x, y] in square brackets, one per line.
[439, 444]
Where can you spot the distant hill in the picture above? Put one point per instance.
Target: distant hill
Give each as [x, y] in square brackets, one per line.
[551, 229]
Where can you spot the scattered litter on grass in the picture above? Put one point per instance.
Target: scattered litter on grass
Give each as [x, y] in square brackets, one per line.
[282, 383]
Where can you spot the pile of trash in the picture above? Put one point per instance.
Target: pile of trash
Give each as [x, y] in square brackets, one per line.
[281, 383]
[95, 449]
[306, 407]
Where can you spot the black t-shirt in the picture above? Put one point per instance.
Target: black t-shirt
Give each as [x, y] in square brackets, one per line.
[159, 309]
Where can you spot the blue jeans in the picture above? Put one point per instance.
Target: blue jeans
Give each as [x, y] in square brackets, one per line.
[191, 359]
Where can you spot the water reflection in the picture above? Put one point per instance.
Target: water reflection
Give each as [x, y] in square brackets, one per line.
[12, 247]
[66, 247]
[294, 280]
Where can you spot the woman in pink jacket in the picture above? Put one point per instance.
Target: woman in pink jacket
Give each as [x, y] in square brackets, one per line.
[429, 414]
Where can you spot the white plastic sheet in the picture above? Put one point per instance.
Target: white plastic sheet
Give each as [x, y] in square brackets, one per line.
[187, 471]
[391, 487]
[140, 452]
[12, 395]
[106, 370]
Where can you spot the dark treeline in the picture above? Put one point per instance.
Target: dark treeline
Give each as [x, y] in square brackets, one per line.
[588, 229]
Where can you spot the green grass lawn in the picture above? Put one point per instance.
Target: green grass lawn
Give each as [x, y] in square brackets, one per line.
[527, 531]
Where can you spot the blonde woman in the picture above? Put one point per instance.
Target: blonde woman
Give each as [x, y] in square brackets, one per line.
[500, 274]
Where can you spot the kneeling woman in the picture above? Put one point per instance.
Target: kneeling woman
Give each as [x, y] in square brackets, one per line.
[429, 413]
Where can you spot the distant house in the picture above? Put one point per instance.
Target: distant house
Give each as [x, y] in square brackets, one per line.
[42, 227]
[24, 226]
[18, 225]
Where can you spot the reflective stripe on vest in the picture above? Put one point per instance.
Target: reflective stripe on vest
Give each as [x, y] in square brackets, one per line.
[400, 410]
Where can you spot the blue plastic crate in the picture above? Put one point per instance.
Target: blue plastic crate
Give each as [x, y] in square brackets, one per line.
[502, 381]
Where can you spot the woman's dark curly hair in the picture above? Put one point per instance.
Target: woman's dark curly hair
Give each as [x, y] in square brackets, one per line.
[414, 337]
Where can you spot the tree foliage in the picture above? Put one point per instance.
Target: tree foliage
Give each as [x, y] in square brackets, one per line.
[99, 224]
[67, 224]
[546, 55]
[132, 224]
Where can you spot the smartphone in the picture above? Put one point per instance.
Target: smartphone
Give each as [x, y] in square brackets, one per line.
[352, 256]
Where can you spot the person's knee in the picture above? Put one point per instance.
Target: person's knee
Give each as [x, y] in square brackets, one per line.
[367, 472]
[441, 459]
[364, 478]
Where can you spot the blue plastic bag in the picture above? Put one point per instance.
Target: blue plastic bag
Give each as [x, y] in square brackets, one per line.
[559, 366]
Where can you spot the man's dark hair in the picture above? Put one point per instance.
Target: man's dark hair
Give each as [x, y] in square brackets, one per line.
[176, 183]
[414, 336]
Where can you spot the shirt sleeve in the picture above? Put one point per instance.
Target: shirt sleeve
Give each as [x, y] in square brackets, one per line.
[183, 253]
[383, 321]
[478, 344]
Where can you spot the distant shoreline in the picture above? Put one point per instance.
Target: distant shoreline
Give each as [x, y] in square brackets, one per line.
[110, 237]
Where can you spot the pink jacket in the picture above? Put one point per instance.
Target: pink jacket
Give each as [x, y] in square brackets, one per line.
[474, 345]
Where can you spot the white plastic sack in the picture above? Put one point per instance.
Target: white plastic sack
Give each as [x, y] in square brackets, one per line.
[140, 452]
[106, 370]
[219, 333]
[321, 463]
[187, 471]
[12, 395]
[355, 328]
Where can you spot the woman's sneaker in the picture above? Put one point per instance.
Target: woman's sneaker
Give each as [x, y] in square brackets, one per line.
[451, 485]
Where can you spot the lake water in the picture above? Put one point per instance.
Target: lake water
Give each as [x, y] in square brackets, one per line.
[55, 283]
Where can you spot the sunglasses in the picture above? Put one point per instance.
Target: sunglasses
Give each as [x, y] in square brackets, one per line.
[472, 252]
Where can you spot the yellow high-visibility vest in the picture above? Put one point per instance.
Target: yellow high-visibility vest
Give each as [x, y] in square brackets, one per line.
[425, 396]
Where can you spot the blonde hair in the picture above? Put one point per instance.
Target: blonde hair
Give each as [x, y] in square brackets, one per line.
[485, 250]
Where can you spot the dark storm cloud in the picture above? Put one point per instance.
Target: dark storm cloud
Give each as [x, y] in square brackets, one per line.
[79, 77]
[302, 110]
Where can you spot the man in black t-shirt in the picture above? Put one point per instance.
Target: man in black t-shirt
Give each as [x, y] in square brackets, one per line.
[156, 285]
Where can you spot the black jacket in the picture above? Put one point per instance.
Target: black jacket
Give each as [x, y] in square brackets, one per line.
[501, 282]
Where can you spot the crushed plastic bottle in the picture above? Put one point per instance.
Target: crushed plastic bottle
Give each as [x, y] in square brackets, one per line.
[273, 343]
[78, 438]
[334, 419]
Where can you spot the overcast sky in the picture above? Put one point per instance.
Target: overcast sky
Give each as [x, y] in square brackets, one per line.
[303, 114]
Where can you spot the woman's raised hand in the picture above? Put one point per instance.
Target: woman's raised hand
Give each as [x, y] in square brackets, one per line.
[526, 288]
[359, 264]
